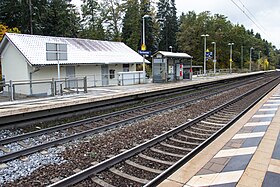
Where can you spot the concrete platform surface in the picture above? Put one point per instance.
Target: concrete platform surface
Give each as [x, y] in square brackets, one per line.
[98, 94]
[246, 155]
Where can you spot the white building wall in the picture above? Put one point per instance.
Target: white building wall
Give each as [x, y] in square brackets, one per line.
[93, 73]
[14, 67]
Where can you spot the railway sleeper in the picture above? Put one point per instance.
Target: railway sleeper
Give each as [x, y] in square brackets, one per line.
[127, 176]
[195, 134]
[227, 114]
[208, 126]
[191, 138]
[101, 182]
[156, 160]
[216, 121]
[175, 147]
[212, 123]
[145, 168]
[223, 118]
[166, 153]
[184, 142]
[202, 130]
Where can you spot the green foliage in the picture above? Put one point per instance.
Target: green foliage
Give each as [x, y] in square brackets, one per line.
[4, 29]
[47, 17]
[131, 31]
[169, 24]
[222, 31]
[92, 27]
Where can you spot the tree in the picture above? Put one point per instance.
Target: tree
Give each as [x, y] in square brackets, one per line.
[61, 19]
[167, 13]
[92, 22]
[131, 30]
[4, 29]
[112, 13]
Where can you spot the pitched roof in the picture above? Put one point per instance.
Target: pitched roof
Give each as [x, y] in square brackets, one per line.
[173, 55]
[79, 51]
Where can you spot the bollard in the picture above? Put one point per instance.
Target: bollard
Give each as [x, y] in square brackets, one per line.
[11, 86]
[61, 91]
[85, 84]
[77, 80]
[52, 87]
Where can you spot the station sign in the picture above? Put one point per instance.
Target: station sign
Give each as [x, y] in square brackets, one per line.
[144, 52]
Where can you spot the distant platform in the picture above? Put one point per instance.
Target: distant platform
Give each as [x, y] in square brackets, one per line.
[101, 93]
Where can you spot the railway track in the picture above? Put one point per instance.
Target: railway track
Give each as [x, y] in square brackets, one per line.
[150, 162]
[42, 139]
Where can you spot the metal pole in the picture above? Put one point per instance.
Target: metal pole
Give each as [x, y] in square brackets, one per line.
[260, 60]
[144, 45]
[250, 66]
[215, 60]
[58, 65]
[230, 57]
[204, 63]
[241, 57]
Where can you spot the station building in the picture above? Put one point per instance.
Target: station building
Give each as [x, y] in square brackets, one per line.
[34, 57]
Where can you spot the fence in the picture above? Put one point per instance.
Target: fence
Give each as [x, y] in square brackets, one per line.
[43, 88]
[15, 90]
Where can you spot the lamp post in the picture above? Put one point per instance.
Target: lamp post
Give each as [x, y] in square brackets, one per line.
[214, 43]
[204, 63]
[230, 57]
[143, 47]
[242, 57]
[260, 60]
[250, 66]
[170, 47]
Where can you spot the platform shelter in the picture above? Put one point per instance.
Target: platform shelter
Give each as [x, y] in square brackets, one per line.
[169, 66]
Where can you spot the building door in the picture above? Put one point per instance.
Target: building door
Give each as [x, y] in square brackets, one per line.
[104, 74]
[70, 74]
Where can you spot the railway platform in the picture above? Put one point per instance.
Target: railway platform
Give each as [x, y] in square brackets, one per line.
[19, 107]
[246, 155]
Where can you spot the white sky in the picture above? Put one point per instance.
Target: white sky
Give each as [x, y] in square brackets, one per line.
[266, 13]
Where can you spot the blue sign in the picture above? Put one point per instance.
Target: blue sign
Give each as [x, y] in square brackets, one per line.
[144, 52]
[209, 55]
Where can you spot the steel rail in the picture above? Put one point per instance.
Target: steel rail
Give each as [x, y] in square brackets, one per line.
[71, 180]
[33, 149]
[160, 178]
[91, 119]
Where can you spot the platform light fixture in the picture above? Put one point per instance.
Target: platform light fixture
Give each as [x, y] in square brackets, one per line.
[230, 57]
[250, 66]
[204, 62]
[214, 60]
[144, 46]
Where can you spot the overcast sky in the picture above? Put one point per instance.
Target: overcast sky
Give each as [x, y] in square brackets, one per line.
[265, 13]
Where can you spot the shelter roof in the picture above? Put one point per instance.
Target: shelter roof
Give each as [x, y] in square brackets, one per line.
[173, 55]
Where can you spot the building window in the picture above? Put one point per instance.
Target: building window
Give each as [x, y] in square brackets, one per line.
[112, 73]
[125, 67]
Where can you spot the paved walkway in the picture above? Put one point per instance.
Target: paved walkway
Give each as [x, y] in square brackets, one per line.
[246, 155]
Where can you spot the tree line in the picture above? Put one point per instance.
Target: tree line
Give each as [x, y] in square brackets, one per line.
[117, 20]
